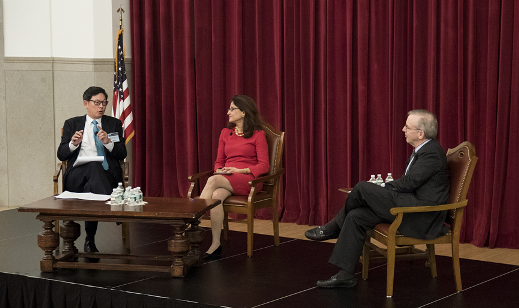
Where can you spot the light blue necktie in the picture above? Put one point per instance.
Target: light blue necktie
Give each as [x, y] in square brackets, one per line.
[99, 145]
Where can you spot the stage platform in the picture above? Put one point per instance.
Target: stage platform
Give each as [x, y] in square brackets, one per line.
[282, 276]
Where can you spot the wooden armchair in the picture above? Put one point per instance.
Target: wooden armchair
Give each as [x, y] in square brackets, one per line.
[461, 162]
[256, 199]
[60, 170]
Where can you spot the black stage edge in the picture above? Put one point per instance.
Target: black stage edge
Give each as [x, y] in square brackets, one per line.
[282, 276]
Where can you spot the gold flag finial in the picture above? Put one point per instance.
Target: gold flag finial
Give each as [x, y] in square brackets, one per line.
[121, 10]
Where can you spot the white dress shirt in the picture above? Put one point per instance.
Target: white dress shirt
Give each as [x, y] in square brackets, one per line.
[88, 145]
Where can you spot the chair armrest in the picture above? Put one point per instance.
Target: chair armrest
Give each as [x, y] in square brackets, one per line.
[262, 179]
[55, 177]
[126, 169]
[196, 176]
[59, 168]
[194, 179]
[434, 208]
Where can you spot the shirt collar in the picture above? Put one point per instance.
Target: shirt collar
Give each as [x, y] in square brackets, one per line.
[421, 145]
[89, 120]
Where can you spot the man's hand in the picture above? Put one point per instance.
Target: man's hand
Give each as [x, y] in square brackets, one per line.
[77, 138]
[103, 136]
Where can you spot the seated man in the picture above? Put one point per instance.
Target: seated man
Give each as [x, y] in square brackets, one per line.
[424, 183]
[92, 134]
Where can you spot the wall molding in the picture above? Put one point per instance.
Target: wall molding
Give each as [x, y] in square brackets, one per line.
[61, 64]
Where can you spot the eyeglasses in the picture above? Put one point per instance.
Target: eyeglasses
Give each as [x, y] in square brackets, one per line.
[408, 128]
[232, 109]
[99, 103]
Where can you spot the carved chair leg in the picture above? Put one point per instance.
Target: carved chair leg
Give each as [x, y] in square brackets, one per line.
[431, 257]
[456, 265]
[365, 261]
[250, 232]
[275, 222]
[226, 226]
[391, 249]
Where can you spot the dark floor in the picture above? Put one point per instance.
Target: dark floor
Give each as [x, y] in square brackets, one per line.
[282, 276]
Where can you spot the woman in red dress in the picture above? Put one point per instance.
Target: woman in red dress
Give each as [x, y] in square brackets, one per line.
[242, 156]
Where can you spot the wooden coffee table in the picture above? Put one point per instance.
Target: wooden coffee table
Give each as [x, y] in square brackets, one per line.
[179, 213]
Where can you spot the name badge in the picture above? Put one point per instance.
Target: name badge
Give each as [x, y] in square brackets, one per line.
[114, 137]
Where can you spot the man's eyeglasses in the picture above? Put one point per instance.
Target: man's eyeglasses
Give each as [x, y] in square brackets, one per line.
[233, 108]
[409, 128]
[99, 103]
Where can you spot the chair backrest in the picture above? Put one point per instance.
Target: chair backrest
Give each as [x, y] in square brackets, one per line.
[275, 141]
[461, 162]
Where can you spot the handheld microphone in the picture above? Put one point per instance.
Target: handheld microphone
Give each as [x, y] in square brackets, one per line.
[230, 134]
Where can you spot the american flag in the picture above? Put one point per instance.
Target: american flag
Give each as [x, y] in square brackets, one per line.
[121, 98]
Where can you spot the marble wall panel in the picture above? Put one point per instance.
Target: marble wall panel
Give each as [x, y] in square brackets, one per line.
[30, 134]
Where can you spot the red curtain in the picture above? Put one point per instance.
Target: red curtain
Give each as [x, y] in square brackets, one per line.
[338, 77]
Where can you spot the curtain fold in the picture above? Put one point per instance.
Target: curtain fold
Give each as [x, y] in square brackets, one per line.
[162, 44]
[339, 78]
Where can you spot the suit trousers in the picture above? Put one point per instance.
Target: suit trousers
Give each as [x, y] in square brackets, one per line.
[90, 177]
[367, 205]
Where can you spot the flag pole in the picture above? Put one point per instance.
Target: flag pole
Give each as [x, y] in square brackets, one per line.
[121, 10]
[121, 96]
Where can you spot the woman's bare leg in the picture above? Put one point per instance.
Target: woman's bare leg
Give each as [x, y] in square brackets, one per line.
[217, 187]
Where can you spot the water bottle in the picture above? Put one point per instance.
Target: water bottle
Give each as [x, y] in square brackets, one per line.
[389, 177]
[139, 195]
[132, 200]
[372, 179]
[120, 187]
[114, 197]
[379, 179]
[126, 195]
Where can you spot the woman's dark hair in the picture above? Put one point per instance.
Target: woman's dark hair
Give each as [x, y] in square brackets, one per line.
[252, 120]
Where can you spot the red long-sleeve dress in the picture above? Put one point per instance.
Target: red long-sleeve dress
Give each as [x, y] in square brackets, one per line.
[238, 152]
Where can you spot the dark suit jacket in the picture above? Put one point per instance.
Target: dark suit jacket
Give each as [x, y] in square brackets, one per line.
[426, 183]
[109, 125]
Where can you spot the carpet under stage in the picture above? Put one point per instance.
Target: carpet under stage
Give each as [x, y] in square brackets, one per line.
[282, 276]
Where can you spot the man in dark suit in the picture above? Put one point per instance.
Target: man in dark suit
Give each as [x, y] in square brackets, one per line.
[93, 134]
[424, 183]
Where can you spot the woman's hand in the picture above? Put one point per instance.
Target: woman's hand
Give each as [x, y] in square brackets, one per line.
[235, 170]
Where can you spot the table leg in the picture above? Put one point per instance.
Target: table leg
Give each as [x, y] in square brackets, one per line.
[48, 240]
[70, 231]
[195, 234]
[178, 245]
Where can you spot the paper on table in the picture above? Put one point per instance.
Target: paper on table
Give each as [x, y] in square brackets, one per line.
[83, 196]
[86, 159]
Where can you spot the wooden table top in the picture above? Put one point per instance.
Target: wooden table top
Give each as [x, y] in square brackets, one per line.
[156, 207]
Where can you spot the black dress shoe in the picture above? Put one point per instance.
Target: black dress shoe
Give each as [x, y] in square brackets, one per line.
[90, 246]
[333, 282]
[215, 255]
[320, 234]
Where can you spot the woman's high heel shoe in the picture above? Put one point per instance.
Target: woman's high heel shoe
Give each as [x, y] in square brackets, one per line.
[215, 255]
